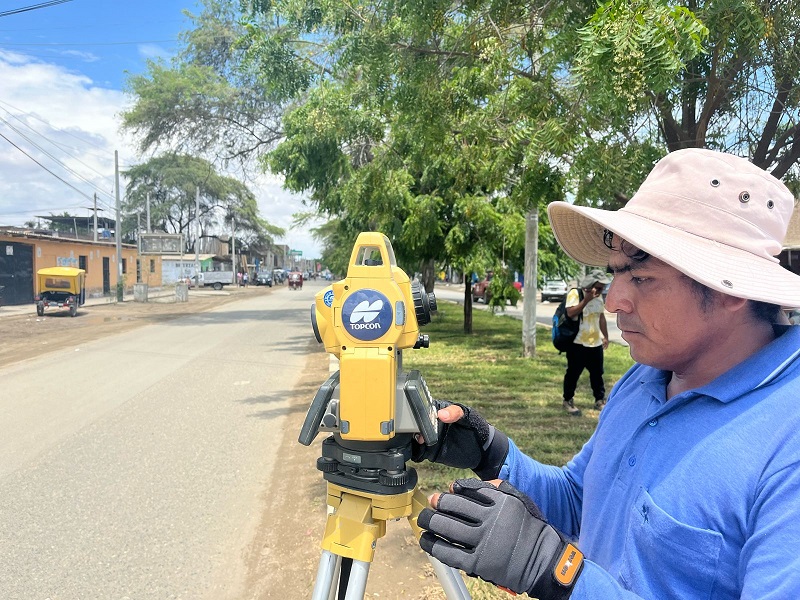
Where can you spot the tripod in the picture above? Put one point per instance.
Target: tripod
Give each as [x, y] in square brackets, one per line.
[351, 533]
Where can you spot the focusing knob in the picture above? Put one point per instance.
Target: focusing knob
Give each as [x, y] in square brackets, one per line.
[424, 303]
[327, 465]
[393, 478]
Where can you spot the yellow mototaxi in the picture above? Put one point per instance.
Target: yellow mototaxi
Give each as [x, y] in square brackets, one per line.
[61, 287]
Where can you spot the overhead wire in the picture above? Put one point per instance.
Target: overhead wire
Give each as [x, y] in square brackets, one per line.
[61, 147]
[16, 11]
[49, 155]
[81, 192]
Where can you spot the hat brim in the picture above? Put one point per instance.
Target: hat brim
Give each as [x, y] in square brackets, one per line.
[732, 271]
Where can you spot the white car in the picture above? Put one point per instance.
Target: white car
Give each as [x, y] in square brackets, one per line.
[554, 290]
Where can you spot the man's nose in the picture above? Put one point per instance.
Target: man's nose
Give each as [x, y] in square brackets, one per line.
[616, 300]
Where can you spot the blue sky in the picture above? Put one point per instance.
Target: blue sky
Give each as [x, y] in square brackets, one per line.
[63, 70]
[99, 38]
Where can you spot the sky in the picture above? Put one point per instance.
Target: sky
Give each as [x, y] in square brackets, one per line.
[63, 68]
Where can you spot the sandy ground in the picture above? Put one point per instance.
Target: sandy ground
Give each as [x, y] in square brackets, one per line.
[282, 559]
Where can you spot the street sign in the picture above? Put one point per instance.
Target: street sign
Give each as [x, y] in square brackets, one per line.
[296, 252]
[161, 243]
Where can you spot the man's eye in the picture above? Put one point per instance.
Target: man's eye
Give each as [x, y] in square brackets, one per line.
[639, 280]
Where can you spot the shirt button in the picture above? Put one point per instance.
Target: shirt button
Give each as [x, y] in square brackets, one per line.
[632, 461]
[653, 423]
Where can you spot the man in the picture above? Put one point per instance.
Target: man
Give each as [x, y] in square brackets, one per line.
[586, 352]
[690, 485]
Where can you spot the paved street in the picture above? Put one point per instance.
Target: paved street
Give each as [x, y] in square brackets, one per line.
[544, 310]
[135, 466]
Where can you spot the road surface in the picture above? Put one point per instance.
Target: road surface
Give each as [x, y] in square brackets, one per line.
[135, 466]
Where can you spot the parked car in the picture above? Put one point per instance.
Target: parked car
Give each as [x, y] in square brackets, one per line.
[480, 290]
[263, 278]
[554, 290]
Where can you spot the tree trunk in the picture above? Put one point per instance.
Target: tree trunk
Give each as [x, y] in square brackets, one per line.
[467, 304]
[428, 274]
[529, 301]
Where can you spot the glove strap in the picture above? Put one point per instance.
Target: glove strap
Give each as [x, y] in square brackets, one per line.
[564, 571]
[494, 455]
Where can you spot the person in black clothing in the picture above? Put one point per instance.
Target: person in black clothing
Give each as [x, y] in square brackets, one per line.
[586, 352]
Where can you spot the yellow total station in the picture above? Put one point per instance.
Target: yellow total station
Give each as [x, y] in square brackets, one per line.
[366, 319]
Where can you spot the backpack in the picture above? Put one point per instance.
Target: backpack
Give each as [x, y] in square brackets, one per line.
[565, 329]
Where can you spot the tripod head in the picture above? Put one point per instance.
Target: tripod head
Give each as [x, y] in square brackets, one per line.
[370, 405]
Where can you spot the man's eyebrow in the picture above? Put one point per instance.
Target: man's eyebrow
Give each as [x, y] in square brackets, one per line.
[627, 268]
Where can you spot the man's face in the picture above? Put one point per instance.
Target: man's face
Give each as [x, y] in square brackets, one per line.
[659, 312]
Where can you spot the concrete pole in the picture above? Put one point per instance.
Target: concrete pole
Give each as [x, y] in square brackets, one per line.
[197, 239]
[233, 249]
[529, 301]
[118, 231]
[95, 216]
[148, 213]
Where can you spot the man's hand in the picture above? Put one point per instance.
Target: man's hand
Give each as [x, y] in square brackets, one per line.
[498, 534]
[466, 441]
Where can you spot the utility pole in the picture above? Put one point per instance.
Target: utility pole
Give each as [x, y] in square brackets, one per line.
[118, 230]
[95, 216]
[529, 281]
[197, 239]
[148, 212]
[233, 249]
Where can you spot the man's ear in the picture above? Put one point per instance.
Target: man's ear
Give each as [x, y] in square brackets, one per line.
[732, 303]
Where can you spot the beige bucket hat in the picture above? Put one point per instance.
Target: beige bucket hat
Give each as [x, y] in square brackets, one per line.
[715, 217]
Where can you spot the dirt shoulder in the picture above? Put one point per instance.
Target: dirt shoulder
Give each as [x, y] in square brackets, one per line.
[27, 336]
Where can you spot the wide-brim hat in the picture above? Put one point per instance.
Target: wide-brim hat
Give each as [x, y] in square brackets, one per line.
[715, 217]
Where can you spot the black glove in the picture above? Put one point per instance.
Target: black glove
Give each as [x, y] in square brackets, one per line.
[469, 443]
[499, 535]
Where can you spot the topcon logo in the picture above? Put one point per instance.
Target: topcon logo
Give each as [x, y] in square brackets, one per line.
[367, 313]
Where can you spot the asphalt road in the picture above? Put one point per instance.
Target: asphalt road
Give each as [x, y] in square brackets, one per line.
[135, 467]
[544, 310]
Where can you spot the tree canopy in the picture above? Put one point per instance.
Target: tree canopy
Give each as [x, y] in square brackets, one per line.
[172, 182]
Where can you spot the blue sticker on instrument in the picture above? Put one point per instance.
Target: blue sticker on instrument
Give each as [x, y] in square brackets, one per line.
[367, 315]
[328, 298]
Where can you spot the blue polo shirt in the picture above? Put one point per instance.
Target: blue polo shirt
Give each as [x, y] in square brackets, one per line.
[698, 497]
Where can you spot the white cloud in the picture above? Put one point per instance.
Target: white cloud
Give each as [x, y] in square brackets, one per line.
[153, 51]
[85, 56]
[77, 121]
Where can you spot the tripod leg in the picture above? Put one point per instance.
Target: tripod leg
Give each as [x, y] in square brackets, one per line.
[451, 581]
[357, 581]
[323, 588]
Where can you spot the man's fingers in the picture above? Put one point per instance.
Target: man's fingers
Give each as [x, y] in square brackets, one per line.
[450, 414]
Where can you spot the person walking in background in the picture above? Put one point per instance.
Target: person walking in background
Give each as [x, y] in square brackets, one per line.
[586, 352]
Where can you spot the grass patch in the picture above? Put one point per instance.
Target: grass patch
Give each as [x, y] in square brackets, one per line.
[520, 396]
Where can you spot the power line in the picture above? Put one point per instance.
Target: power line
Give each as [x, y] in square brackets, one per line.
[46, 153]
[16, 11]
[48, 44]
[85, 195]
[51, 126]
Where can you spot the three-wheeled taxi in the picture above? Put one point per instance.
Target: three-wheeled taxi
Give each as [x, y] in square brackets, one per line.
[295, 280]
[62, 287]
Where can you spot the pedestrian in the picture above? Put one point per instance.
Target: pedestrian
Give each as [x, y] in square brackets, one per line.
[688, 487]
[245, 278]
[586, 351]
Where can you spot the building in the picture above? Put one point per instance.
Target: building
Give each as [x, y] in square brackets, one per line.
[25, 251]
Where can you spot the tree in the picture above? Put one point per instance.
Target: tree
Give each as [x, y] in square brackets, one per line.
[172, 181]
[740, 94]
[207, 101]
